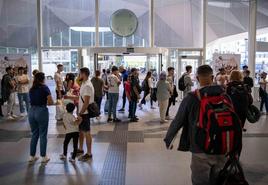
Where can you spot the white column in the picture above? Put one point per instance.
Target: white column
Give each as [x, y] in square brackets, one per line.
[39, 34]
[151, 23]
[252, 37]
[205, 2]
[97, 23]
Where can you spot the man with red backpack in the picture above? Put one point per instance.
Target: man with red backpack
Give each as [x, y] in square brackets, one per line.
[210, 127]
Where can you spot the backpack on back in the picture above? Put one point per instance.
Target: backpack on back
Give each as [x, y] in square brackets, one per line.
[144, 85]
[181, 83]
[219, 129]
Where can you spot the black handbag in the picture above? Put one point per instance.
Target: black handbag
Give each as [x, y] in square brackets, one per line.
[253, 114]
[231, 174]
[93, 109]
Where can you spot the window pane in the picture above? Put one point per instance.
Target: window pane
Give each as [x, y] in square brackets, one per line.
[63, 15]
[178, 23]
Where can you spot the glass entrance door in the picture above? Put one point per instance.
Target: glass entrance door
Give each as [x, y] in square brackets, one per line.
[184, 61]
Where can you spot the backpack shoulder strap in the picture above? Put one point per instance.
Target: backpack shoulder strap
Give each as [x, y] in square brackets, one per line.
[197, 93]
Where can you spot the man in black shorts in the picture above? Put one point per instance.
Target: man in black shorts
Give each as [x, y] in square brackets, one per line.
[86, 97]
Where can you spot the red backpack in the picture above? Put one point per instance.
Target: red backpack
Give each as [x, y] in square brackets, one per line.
[219, 129]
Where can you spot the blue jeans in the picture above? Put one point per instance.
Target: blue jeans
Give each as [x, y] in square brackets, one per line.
[24, 97]
[113, 99]
[38, 119]
[132, 109]
[264, 101]
[98, 101]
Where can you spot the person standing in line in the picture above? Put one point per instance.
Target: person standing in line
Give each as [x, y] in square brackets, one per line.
[104, 75]
[8, 91]
[86, 97]
[106, 106]
[240, 95]
[40, 98]
[187, 80]
[248, 80]
[147, 86]
[163, 94]
[170, 79]
[124, 75]
[187, 118]
[245, 68]
[263, 92]
[221, 77]
[70, 123]
[23, 90]
[59, 89]
[113, 94]
[98, 85]
[135, 91]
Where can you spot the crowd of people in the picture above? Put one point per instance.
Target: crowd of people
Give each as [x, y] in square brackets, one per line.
[79, 92]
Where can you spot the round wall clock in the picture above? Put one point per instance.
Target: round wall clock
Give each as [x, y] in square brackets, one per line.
[123, 22]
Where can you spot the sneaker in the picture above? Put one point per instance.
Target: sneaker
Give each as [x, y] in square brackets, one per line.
[32, 159]
[62, 157]
[71, 160]
[23, 114]
[10, 118]
[121, 110]
[45, 159]
[116, 120]
[109, 120]
[14, 116]
[85, 157]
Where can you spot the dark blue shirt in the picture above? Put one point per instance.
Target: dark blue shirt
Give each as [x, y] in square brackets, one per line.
[38, 95]
[124, 75]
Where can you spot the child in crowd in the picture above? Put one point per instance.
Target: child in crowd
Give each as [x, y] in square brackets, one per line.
[70, 123]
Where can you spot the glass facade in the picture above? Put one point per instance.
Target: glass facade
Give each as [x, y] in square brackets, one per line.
[224, 20]
[68, 22]
[178, 23]
[70, 25]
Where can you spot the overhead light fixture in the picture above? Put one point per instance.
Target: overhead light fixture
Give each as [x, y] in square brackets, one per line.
[220, 4]
[90, 29]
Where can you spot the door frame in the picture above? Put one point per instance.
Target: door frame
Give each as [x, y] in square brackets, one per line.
[95, 51]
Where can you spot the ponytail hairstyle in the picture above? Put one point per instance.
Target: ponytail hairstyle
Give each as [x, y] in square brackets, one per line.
[39, 79]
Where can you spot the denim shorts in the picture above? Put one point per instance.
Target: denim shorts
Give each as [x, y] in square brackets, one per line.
[85, 124]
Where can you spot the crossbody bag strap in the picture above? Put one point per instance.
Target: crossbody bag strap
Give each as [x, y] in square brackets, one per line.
[82, 99]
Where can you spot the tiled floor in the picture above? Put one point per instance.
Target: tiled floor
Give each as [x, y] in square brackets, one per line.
[131, 154]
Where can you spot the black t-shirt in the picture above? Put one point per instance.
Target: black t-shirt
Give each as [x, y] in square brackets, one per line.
[38, 95]
[134, 83]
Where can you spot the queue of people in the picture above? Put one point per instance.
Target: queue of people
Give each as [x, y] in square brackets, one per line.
[232, 91]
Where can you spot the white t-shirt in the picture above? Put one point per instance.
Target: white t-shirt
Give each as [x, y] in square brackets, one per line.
[58, 81]
[113, 84]
[69, 123]
[23, 88]
[86, 89]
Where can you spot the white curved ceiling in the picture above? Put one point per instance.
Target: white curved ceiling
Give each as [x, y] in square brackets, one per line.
[225, 17]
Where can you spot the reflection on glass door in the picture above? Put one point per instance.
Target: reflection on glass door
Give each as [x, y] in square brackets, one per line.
[153, 65]
[51, 58]
[192, 62]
